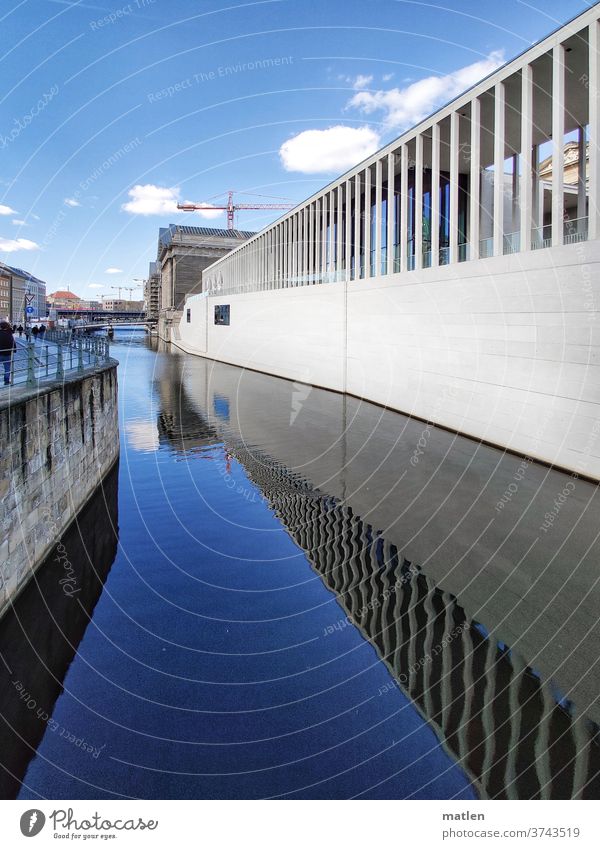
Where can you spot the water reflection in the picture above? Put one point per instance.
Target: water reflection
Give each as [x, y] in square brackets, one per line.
[39, 636]
[220, 666]
[446, 616]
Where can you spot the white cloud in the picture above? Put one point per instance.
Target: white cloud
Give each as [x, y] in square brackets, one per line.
[405, 107]
[71, 202]
[20, 222]
[151, 200]
[10, 245]
[113, 270]
[334, 149]
[387, 77]
[208, 211]
[358, 82]
[6, 210]
[362, 81]
[142, 435]
[95, 286]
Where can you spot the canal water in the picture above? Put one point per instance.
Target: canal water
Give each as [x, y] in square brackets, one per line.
[285, 592]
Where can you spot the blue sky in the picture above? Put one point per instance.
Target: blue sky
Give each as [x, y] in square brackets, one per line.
[114, 110]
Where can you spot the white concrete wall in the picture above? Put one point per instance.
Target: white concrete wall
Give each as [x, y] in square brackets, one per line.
[297, 333]
[504, 349]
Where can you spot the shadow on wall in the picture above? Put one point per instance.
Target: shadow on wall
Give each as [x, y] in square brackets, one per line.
[40, 633]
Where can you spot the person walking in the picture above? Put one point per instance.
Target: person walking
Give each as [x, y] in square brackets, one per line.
[20, 330]
[7, 348]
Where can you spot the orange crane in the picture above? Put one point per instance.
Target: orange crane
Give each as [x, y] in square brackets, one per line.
[233, 207]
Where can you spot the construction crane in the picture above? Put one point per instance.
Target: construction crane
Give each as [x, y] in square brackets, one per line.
[129, 289]
[233, 207]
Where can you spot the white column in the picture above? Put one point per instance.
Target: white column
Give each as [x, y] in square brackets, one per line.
[594, 131]
[317, 258]
[265, 262]
[298, 247]
[348, 233]
[378, 214]
[294, 241]
[499, 124]
[558, 143]
[258, 281]
[304, 244]
[454, 150]
[367, 222]
[526, 186]
[403, 207]
[280, 255]
[295, 248]
[391, 208]
[475, 180]
[515, 193]
[331, 263]
[324, 238]
[435, 195]
[311, 243]
[286, 239]
[339, 258]
[535, 187]
[581, 177]
[419, 201]
[273, 263]
[357, 226]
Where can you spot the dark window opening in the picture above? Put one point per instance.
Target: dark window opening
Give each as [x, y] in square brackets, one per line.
[188, 315]
[222, 314]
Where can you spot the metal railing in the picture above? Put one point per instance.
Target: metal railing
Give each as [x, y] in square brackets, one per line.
[541, 237]
[511, 243]
[59, 335]
[575, 230]
[486, 247]
[51, 358]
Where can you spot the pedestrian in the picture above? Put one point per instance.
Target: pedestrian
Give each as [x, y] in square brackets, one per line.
[35, 331]
[7, 347]
[42, 330]
[20, 330]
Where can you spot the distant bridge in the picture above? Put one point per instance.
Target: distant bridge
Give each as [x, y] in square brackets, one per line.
[97, 317]
[105, 325]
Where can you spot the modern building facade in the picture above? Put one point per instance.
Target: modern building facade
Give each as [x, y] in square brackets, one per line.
[183, 255]
[463, 263]
[15, 284]
[121, 305]
[152, 292]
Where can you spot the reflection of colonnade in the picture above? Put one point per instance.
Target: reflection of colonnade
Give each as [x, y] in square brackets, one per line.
[501, 714]
[486, 703]
[537, 592]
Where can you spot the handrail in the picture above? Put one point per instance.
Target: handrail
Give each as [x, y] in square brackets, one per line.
[51, 358]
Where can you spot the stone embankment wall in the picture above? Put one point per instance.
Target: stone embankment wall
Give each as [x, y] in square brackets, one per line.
[57, 442]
